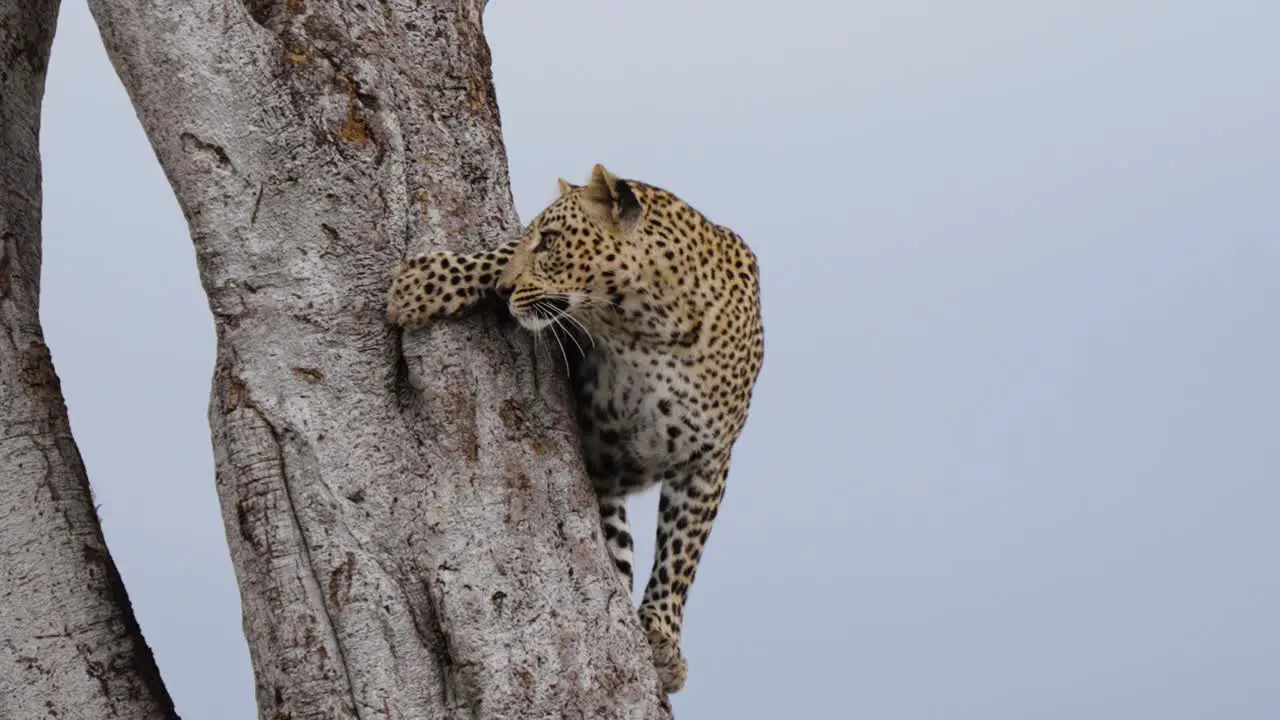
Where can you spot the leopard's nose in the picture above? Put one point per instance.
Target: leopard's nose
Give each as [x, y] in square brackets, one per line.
[504, 291]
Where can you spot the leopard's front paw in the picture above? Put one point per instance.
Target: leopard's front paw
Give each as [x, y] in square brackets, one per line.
[668, 660]
[407, 304]
[426, 287]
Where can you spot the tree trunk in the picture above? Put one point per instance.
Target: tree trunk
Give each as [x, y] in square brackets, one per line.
[69, 645]
[409, 520]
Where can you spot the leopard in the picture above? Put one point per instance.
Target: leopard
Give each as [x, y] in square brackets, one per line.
[664, 308]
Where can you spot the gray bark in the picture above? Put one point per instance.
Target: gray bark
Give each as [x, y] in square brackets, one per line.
[69, 645]
[409, 520]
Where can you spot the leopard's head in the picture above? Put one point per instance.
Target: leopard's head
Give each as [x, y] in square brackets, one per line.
[578, 255]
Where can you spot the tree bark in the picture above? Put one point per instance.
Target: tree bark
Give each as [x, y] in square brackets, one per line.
[69, 644]
[409, 520]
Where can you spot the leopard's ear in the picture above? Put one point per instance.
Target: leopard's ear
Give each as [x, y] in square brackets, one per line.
[611, 201]
[565, 186]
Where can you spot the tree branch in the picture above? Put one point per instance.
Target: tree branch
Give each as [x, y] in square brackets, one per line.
[69, 644]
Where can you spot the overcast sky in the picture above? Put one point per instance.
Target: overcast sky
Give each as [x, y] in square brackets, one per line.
[1016, 448]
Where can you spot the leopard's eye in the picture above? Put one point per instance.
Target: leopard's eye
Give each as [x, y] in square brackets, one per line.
[546, 240]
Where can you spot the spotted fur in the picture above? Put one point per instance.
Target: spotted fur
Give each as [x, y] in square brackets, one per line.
[660, 311]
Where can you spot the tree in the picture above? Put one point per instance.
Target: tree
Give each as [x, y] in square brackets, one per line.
[410, 524]
[69, 645]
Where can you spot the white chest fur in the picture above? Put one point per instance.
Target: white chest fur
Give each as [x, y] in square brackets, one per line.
[640, 416]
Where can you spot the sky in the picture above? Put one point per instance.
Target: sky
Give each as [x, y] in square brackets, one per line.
[1014, 452]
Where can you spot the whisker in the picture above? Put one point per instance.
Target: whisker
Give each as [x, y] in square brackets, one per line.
[586, 300]
[563, 353]
[600, 303]
[568, 316]
[556, 322]
[550, 313]
[557, 314]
